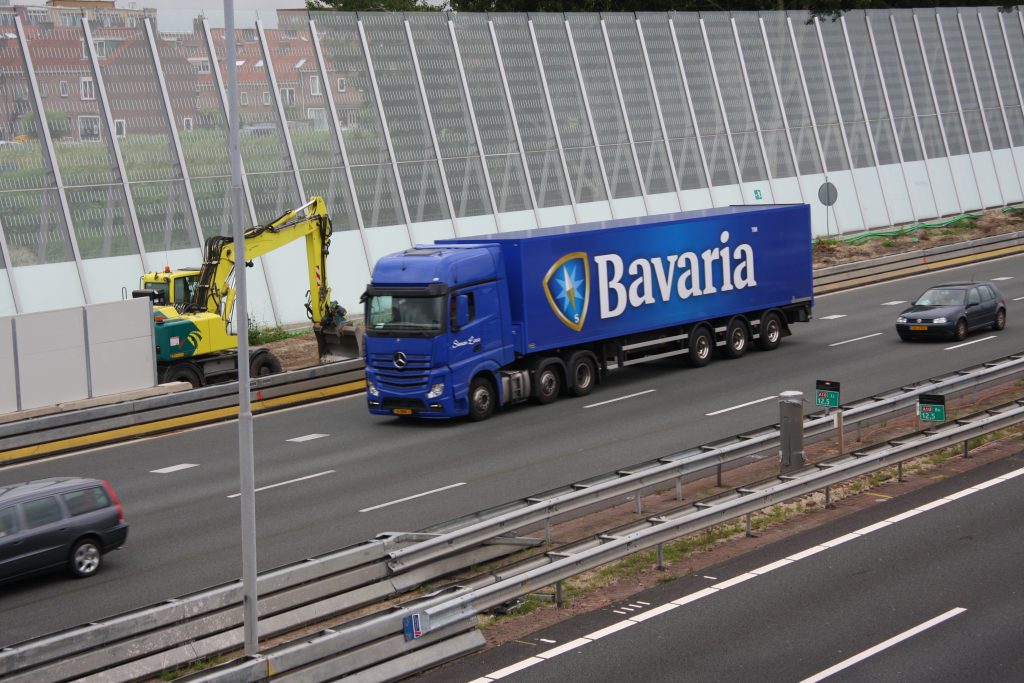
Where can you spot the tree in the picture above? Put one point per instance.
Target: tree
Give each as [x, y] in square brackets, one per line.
[373, 5]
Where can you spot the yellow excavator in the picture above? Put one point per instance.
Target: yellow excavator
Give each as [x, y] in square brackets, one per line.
[193, 307]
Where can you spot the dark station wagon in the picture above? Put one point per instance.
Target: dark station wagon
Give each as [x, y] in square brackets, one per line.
[952, 310]
[66, 522]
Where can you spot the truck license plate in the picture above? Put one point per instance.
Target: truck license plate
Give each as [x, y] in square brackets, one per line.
[919, 328]
[403, 411]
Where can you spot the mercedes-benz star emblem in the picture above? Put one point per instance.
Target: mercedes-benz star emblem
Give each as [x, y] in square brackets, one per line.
[399, 360]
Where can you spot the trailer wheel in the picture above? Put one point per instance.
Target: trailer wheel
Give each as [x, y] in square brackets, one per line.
[582, 375]
[263, 364]
[549, 383]
[770, 332]
[183, 372]
[701, 345]
[482, 398]
[736, 338]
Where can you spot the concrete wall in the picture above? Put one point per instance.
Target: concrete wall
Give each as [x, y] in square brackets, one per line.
[77, 353]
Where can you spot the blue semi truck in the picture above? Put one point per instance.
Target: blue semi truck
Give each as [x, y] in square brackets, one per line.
[465, 325]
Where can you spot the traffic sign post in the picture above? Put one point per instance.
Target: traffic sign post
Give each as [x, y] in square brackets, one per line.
[931, 408]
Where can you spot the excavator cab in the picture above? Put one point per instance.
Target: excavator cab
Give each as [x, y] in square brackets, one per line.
[169, 287]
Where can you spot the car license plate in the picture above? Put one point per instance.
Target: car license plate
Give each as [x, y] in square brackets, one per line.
[403, 411]
[919, 328]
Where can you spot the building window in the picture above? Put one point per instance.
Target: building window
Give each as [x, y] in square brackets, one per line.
[318, 117]
[342, 84]
[64, 89]
[88, 127]
[203, 66]
[87, 88]
[186, 123]
[266, 99]
[119, 127]
[314, 85]
[101, 48]
[244, 98]
[288, 97]
[44, 89]
[350, 118]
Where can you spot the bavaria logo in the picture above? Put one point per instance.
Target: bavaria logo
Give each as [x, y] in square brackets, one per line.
[567, 286]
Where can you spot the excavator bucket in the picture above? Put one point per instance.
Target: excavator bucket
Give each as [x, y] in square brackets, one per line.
[339, 341]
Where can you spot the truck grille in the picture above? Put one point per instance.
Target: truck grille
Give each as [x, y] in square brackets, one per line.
[414, 375]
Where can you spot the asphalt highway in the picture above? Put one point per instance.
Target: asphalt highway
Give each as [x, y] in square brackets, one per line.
[923, 587]
[330, 475]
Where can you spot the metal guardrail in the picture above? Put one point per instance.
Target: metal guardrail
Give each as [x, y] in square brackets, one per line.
[47, 432]
[174, 633]
[350, 648]
[834, 278]
[153, 409]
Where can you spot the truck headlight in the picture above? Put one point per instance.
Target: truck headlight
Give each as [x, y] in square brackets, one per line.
[901, 320]
[436, 390]
[371, 390]
[940, 321]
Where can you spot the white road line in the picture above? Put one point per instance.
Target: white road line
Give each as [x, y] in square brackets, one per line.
[307, 437]
[1000, 279]
[547, 640]
[837, 316]
[957, 346]
[893, 303]
[1019, 298]
[174, 468]
[290, 481]
[742, 405]
[418, 495]
[620, 398]
[847, 663]
[711, 590]
[867, 336]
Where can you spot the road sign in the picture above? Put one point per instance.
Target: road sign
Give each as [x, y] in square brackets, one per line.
[826, 393]
[415, 625]
[931, 408]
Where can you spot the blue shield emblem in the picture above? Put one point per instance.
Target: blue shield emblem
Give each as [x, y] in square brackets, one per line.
[567, 286]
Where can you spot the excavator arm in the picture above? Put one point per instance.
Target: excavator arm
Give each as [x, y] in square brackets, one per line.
[215, 290]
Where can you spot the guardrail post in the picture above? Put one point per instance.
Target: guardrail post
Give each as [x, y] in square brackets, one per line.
[679, 489]
[899, 471]
[558, 595]
[661, 558]
[791, 430]
[828, 498]
[838, 418]
[967, 452]
[639, 504]
[750, 533]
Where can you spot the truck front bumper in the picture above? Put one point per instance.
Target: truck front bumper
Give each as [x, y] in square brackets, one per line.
[387, 401]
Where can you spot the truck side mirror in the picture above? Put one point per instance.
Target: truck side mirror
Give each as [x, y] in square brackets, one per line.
[461, 311]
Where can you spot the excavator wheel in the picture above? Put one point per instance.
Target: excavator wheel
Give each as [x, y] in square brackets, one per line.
[183, 372]
[264, 363]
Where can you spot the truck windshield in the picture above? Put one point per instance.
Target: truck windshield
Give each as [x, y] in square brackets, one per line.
[405, 315]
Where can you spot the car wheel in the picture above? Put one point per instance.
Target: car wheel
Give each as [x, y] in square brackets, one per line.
[770, 332]
[482, 399]
[1000, 321]
[549, 383]
[582, 375]
[85, 559]
[736, 339]
[701, 346]
[960, 333]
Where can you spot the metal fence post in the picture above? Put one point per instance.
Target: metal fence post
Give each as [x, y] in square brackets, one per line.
[791, 430]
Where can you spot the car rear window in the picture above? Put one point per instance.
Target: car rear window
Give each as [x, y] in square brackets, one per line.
[86, 500]
[8, 521]
[42, 511]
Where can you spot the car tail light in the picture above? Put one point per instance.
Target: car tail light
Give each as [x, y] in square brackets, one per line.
[117, 503]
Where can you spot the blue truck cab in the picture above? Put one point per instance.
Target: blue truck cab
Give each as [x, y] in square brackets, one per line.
[466, 325]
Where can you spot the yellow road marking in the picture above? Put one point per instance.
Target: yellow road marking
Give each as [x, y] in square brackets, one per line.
[176, 422]
[878, 495]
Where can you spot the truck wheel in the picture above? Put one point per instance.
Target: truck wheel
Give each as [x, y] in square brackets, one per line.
[770, 332]
[482, 398]
[582, 375]
[736, 338]
[701, 345]
[549, 383]
[183, 372]
[263, 364]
